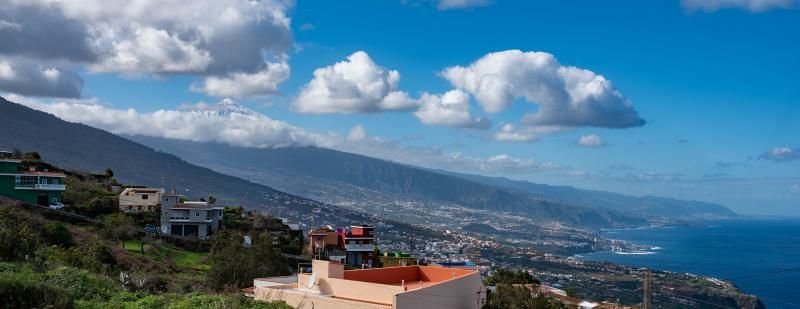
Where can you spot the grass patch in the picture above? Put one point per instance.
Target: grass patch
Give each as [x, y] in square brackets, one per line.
[189, 259]
[135, 246]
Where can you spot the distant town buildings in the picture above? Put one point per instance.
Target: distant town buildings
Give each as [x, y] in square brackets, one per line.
[197, 219]
[140, 199]
[330, 286]
[32, 184]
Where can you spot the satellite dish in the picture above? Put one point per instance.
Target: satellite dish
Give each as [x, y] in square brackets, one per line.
[311, 280]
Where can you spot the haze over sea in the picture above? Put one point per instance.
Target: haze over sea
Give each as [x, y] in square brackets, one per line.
[753, 252]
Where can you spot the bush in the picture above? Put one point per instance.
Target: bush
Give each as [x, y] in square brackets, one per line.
[234, 266]
[81, 284]
[57, 234]
[221, 301]
[155, 284]
[26, 290]
[507, 276]
[19, 234]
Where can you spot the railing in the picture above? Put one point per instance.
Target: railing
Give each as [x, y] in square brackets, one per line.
[359, 247]
[40, 186]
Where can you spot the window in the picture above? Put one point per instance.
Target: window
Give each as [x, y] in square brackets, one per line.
[196, 214]
[145, 196]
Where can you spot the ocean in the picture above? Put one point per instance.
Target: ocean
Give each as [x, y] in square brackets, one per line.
[757, 254]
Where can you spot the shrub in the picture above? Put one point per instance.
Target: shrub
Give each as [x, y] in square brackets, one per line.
[19, 234]
[57, 234]
[26, 290]
[234, 266]
[155, 284]
[80, 283]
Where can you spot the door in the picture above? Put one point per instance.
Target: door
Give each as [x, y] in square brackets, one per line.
[190, 230]
[41, 199]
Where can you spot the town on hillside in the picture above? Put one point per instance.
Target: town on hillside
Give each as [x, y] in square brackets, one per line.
[363, 265]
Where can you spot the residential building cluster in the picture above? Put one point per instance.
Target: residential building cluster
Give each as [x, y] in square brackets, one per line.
[35, 184]
[353, 246]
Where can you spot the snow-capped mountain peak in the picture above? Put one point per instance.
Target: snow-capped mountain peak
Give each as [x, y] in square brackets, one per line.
[227, 107]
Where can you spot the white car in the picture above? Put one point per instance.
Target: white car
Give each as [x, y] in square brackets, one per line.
[56, 206]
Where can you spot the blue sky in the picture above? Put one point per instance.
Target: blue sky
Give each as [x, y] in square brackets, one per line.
[716, 86]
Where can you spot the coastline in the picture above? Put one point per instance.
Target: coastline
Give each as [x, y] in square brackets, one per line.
[721, 249]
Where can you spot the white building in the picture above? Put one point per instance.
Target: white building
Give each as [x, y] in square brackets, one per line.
[140, 199]
[189, 219]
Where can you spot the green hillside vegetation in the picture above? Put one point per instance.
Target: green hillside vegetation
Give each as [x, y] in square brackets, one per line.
[517, 289]
[48, 259]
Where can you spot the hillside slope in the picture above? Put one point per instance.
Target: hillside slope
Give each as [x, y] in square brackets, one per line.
[332, 175]
[80, 147]
[643, 206]
[323, 173]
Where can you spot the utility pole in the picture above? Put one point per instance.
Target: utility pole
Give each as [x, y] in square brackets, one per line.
[647, 299]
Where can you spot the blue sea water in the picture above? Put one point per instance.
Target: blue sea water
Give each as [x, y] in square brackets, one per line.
[724, 249]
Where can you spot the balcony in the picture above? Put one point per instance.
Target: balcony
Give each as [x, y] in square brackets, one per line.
[359, 247]
[39, 186]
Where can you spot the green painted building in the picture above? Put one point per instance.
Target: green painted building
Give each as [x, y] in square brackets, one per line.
[35, 187]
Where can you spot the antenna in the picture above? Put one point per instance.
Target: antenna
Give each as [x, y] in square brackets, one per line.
[647, 300]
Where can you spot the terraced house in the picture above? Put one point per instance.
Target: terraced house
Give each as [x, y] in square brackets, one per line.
[29, 185]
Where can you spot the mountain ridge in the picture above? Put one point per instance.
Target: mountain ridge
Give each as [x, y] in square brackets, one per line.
[80, 147]
[335, 168]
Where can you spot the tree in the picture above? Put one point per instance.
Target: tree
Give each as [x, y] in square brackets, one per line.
[57, 234]
[109, 172]
[507, 276]
[33, 156]
[571, 292]
[17, 154]
[234, 266]
[119, 227]
[19, 234]
[520, 297]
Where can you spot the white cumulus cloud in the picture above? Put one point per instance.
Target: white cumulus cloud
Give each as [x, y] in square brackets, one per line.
[461, 4]
[449, 109]
[781, 154]
[750, 5]
[217, 40]
[565, 96]
[356, 85]
[224, 122]
[230, 123]
[590, 141]
[240, 84]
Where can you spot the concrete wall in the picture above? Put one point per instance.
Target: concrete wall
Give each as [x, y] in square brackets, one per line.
[464, 292]
[308, 301]
[352, 289]
[391, 275]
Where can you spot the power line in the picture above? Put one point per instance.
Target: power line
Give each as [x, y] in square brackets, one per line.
[698, 300]
[765, 273]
